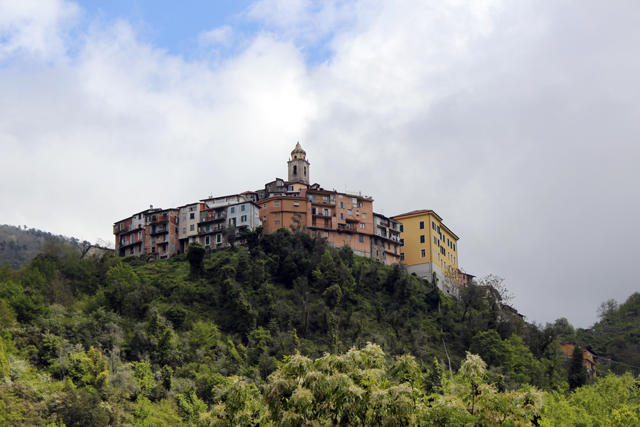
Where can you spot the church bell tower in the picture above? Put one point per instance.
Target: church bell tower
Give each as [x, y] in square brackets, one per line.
[298, 166]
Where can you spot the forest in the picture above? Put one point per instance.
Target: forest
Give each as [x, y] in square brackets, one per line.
[286, 330]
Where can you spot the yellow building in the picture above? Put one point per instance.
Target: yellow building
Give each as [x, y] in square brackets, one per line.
[429, 248]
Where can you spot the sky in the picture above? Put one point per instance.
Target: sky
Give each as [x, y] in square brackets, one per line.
[517, 122]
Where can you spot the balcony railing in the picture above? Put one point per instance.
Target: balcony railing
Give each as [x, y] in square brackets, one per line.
[347, 227]
[117, 229]
[211, 229]
[158, 230]
[212, 216]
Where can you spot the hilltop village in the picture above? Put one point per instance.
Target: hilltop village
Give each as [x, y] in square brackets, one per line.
[419, 239]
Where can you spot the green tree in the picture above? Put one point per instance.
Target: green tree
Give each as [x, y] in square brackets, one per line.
[577, 370]
[195, 256]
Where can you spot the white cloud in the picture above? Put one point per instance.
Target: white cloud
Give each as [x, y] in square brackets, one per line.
[34, 28]
[222, 36]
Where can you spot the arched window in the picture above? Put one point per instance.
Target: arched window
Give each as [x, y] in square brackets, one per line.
[295, 170]
[305, 171]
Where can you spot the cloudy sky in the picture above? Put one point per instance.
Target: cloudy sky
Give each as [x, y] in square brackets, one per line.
[517, 122]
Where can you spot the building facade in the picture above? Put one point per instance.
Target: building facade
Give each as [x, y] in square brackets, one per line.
[153, 231]
[430, 249]
[385, 244]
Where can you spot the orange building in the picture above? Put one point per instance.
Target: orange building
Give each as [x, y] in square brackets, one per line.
[589, 356]
[283, 212]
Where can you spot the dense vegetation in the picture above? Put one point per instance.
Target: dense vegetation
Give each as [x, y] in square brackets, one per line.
[276, 332]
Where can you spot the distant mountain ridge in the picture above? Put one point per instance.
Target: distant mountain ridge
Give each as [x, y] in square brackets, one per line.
[20, 244]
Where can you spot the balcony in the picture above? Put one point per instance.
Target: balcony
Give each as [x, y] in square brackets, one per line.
[127, 245]
[211, 229]
[347, 228]
[212, 216]
[158, 230]
[159, 219]
[126, 228]
[322, 214]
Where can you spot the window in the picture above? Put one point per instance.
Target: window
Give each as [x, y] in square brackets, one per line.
[401, 242]
[360, 205]
[242, 208]
[192, 227]
[277, 222]
[219, 238]
[421, 225]
[233, 209]
[164, 216]
[364, 215]
[276, 214]
[341, 204]
[361, 239]
[341, 215]
[362, 225]
[276, 203]
[264, 218]
[325, 199]
[295, 170]
[140, 235]
[305, 171]
[296, 203]
[154, 218]
[291, 188]
[264, 206]
[206, 229]
[422, 238]
[401, 256]
[401, 228]
[349, 211]
[326, 212]
[357, 212]
[349, 237]
[232, 222]
[192, 215]
[326, 234]
[176, 230]
[184, 230]
[435, 241]
[433, 225]
[243, 218]
[454, 246]
[423, 253]
[207, 240]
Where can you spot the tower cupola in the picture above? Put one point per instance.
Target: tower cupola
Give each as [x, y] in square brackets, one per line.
[298, 165]
[298, 152]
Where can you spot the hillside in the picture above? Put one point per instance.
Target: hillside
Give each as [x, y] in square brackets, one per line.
[163, 336]
[19, 245]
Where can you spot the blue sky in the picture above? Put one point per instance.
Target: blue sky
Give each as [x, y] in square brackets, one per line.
[177, 26]
[515, 121]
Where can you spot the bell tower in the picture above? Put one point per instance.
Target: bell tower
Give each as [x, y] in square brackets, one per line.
[298, 166]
